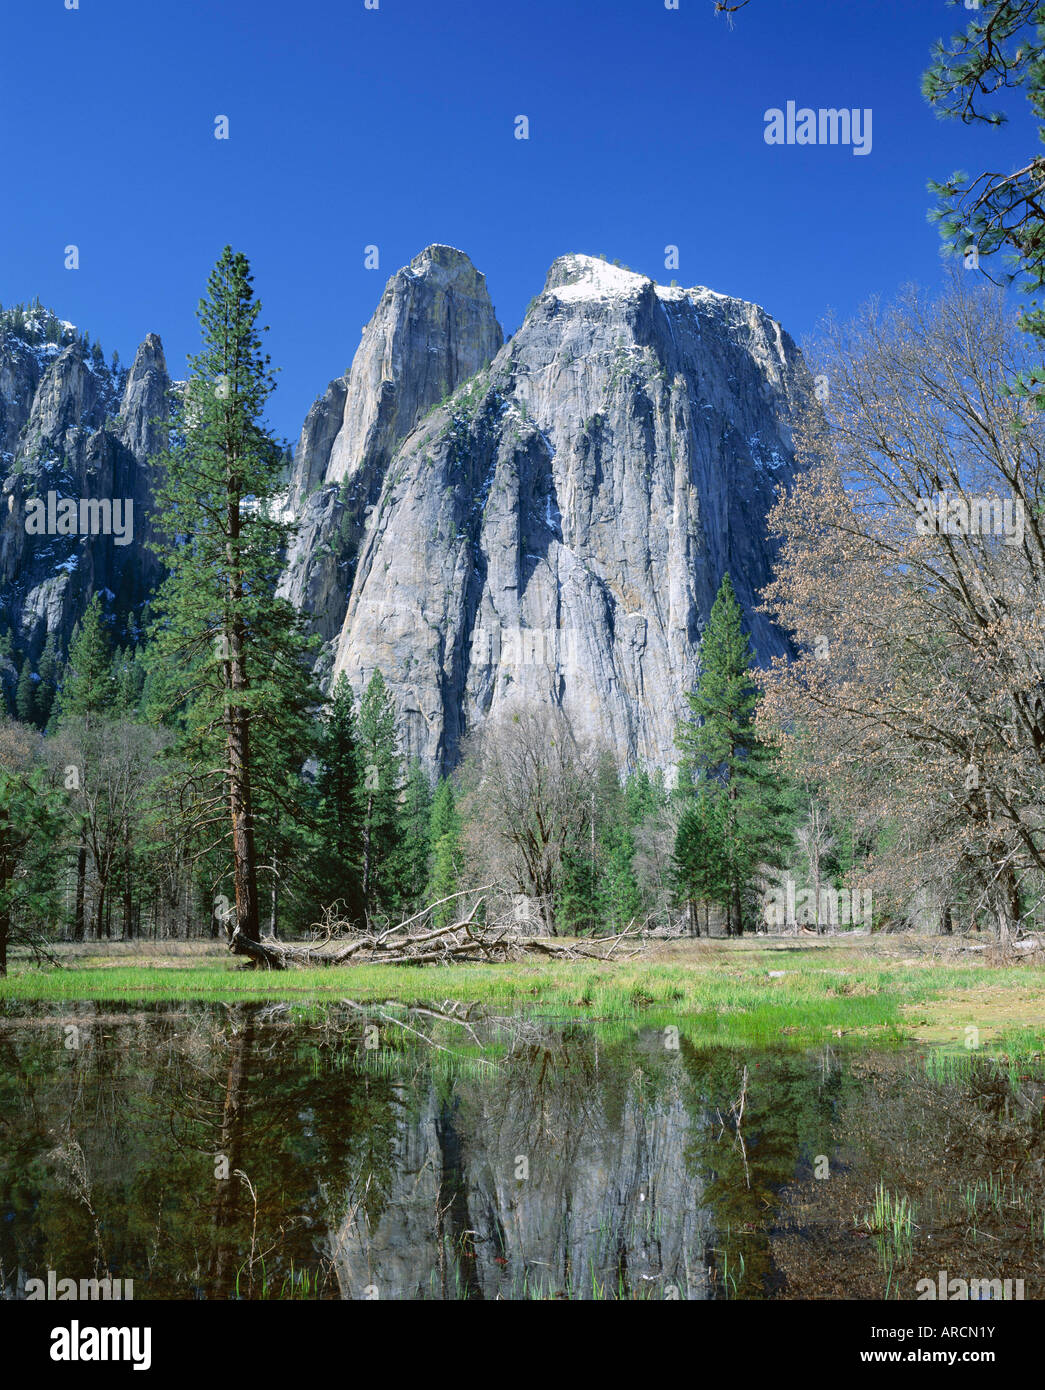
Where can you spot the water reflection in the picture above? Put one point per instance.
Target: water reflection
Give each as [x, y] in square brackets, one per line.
[253, 1151]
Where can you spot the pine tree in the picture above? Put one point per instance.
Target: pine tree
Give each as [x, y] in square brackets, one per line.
[620, 901]
[700, 864]
[618, 809]
[25, 695]
[335, 864]
[379, 795]
[416, 845]
[724, 702]
[721, 747]
[598, 890]
[642, 796]
[130, 679]
[577, 889]
[444, 818]
[445, 837]
[48, 687]
[87, 685]
[236, 677]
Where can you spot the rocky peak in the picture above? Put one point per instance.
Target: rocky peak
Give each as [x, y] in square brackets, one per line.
[145, 398]
[72, 395]
[434, 327]
[79, 428]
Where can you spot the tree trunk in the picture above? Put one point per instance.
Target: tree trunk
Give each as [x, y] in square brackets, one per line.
[548, 906]
[99, 910]
[79, 920]
[821, 927]
[367, 820]
[1008, 910]
[244, 861]
[128, 923]
[1004, 932]
[1015, 906]
[240, 768]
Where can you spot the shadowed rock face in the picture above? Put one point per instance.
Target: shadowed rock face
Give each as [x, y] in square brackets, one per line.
[532, 1186]
[73, 426]
[434, 327]
[557, 532]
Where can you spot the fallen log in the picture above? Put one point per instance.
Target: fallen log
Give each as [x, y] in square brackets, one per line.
[412, 943]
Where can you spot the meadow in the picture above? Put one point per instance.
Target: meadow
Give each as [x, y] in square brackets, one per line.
[767, 991]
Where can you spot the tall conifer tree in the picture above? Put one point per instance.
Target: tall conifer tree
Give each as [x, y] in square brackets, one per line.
[25, 694]
[721, 748]
[234, 656]
[335, 873]
[88, 686]
[445, 835]
[701, 869]
[379, 795]
[416, 845]
[48, 680]
[30, 823]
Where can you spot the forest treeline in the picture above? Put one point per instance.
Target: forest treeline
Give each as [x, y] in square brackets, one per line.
[120, 840]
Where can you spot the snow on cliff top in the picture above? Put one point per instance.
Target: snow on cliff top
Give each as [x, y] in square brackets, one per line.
[596, 279]
[590, 277]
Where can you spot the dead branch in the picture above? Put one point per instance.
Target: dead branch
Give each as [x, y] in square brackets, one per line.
[413, 942]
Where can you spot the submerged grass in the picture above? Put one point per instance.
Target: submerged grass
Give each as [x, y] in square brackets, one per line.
[1017, 1054]
[891, 1221]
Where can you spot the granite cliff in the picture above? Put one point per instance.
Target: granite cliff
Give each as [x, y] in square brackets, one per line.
[74, 427]
[556, 531]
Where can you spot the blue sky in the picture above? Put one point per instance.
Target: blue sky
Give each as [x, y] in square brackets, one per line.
[395, 127]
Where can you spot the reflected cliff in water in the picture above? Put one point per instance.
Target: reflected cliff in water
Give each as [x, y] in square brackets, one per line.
[260, 1152]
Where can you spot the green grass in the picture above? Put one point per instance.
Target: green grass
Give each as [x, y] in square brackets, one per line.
[1016, 1053]
[891, 1221]
[724, 994]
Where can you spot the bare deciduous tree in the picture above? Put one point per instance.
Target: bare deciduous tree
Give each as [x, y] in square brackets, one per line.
[528, 796]
[117, 772]
[913, 575]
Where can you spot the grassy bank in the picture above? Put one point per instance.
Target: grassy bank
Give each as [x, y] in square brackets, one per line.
[765, 992]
